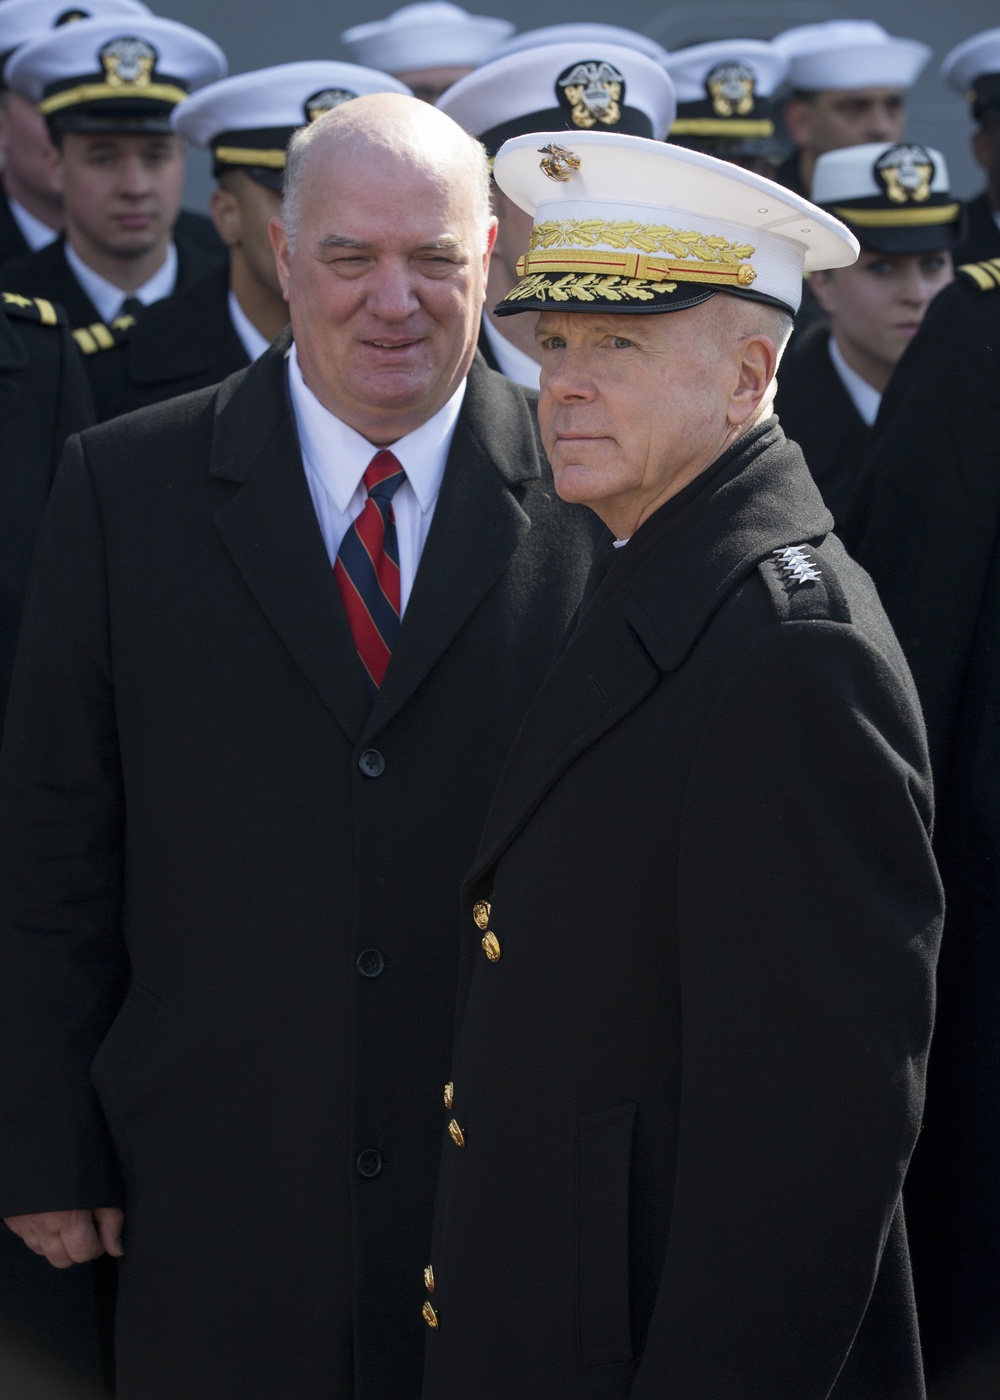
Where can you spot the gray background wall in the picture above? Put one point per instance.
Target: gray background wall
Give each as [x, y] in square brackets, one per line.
[255, 33]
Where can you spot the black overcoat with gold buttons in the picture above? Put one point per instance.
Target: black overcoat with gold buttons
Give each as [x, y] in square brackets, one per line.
[229, 925]
[689, 1063]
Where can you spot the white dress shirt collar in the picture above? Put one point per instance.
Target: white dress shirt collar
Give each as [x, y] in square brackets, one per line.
[339, 455]
[36, 234]
[513, 362]
[109, 299]
[253, 342]
[865, 399]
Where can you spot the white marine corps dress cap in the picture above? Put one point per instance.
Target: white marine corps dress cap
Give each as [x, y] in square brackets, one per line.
[896, 199]
[972, 69]
[118, 73]
[247, 121]
[624, 224]
[24, 20]
[724, 92]
[429, 35]
[589, 34]
[580, 86]
[844, 54]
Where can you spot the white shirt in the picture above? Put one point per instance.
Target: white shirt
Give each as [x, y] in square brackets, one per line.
[253, 342]
[865, 399]
[36, 234]
[335, 458]
[513, 362]
[108, 298]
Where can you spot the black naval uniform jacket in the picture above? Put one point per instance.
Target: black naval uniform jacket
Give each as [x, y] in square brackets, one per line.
[228, 890]
[929, 527]
[818, 413]
[48, 274]
[184, 342]
[982, 237]
[689, 1061]
[43, 399]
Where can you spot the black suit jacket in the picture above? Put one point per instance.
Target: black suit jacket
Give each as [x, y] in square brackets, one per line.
[244, 882]
[929, 528]
[689, 1077]
[818, 413]
[183, 343]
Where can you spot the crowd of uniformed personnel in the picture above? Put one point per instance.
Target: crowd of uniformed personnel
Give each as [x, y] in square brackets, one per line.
[114, 298]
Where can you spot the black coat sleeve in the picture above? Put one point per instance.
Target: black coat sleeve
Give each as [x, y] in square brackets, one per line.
[61, 817]
[807, 1003]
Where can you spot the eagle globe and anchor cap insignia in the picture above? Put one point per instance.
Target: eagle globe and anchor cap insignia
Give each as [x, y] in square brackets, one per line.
[906, 174]
[128, 62]
[593, 92]
[325, 101]
[731, 88]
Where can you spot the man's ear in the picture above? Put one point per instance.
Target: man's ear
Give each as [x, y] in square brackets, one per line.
[55, 166]
[798, 120]
[226, 216]
[279, 242]
[756, 370]
[981, 149]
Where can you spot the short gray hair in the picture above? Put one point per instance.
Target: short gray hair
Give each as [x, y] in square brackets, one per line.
[295, 163]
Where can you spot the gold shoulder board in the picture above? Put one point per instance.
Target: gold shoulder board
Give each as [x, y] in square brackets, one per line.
[31, 309]
[986, 275]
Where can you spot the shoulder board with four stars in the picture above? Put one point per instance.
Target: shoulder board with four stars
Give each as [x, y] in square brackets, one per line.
[801, 588]
[32, 309]
[985, 275]
[104, 335]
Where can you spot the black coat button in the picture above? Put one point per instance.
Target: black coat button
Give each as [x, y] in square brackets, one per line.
[371, 763]
[371, 963]
[369, 1162]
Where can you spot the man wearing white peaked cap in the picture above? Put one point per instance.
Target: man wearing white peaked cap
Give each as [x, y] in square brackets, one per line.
[972, 69]
[31, 212]
[849, 80]
[428, 46]
[580, 84]
[724, 108]
[697, 974]
[106, 88]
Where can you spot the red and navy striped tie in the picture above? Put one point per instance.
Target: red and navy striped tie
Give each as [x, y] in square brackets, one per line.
[367, 570]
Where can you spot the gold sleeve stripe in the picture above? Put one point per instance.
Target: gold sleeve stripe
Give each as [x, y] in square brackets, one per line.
[635, 266]
[46, 312]
[99, 92]
[899, 218]
[985, 274]
[85, 341]
[721, 126]
[102, 336]
[246, 155]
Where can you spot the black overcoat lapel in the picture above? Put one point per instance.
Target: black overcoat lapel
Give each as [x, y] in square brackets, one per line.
[270, 529]
[650, 610]
[477, 526]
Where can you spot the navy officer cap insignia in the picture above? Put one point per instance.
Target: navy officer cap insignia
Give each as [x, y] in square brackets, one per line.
[895, 198]
[905, 173]
[562, 85]
[326, 100]
[128, 61]
[732, 89]
[724, 92]
[622, 223]
[593, 91]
